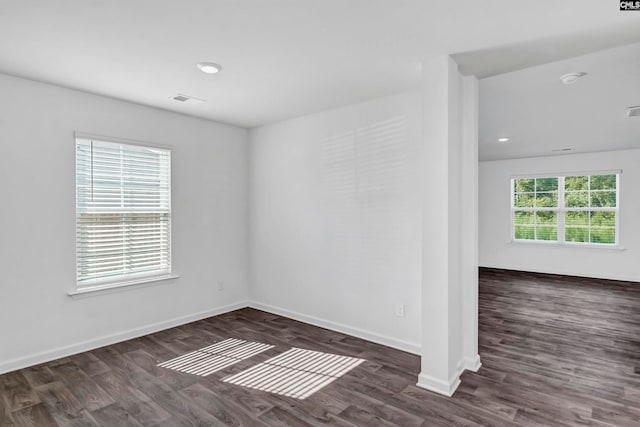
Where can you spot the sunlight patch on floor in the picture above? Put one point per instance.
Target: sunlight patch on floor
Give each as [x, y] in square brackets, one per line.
[295, 373]
[216, 357]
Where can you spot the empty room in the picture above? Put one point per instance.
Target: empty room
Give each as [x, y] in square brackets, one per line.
[320, 213]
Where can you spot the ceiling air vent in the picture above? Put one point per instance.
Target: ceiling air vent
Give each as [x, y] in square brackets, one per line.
[633, 111]
[186, 99]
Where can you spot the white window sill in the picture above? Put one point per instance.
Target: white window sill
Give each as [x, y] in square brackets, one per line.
[111, 287]
[551, 244]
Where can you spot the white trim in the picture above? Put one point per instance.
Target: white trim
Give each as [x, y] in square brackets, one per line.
[556, 244]
[116, 140]
[446, 388]
[472, 364]
[407, 346]
[561, 220]
[565, 174]
[113, 286]
[560, 272]
[69, 350]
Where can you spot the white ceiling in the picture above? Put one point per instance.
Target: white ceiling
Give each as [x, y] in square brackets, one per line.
[281, 58]
[540, 114]
[512, 57]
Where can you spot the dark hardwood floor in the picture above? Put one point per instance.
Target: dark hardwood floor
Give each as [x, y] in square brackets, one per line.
[555, 351]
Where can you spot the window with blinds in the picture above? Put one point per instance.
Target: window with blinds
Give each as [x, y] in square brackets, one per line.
[570, 208]
[123, 211]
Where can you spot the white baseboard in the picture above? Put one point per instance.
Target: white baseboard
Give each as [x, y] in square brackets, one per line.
[47, 356]
[446, 388]
[564, 272]
[449, 386]
[472, 364]
[409, 347]
[69, 350]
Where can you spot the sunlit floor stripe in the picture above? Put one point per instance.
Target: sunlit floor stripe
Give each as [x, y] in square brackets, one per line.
[215, 357]
[295, 373]
[203, 353]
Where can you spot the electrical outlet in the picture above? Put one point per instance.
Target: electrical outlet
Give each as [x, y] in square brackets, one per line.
[220, 285]
[400, 310]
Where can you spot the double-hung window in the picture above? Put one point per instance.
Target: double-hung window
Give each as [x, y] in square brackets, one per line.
[123, 212]
[536, 208]
[569, 208]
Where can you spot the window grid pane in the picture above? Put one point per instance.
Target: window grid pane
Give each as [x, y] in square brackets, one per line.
[587, 210]
[535, 215]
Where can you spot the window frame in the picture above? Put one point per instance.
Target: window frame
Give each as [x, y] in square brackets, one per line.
[562, 209]
[534, 209]
[133, 278]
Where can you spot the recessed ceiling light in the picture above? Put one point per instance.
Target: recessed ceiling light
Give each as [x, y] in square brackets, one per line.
[571, 78]
[504, 139]
[209, 67]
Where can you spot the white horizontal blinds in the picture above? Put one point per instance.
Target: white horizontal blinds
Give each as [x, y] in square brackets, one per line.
[592, 208]
[123, 216]
[569, 208]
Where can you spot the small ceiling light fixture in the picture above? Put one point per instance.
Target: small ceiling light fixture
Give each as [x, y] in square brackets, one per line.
[209, 67]
[571, 78]
[504, 139]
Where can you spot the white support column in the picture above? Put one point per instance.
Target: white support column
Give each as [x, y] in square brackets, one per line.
[449, 236]
[469, 191]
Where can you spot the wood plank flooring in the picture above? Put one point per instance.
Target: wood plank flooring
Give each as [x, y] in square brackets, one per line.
[555, 350]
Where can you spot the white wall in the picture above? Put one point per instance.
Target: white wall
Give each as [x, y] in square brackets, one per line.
[38, 320]
[494, 218]
[335, 219]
